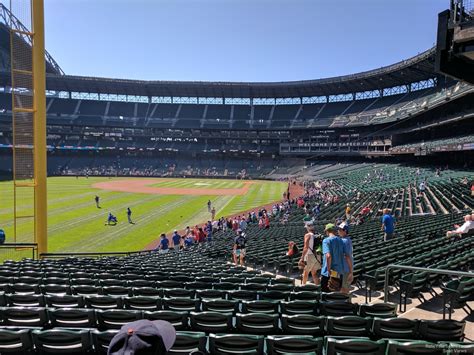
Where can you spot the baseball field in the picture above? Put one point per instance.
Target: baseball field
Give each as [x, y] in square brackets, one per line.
[76, 224]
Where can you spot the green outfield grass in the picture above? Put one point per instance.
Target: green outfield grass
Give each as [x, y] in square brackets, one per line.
[76, 225]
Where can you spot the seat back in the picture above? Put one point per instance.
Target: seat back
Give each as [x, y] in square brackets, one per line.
[303, 324]
[211, 322]
[116, 318]
[16, 341]
[188, 342]
[296, 344]
[101, 340]
[257, 323]
[179, 320]
[72, 318]
[354, 346]
[396, 328]
[380, 310]
[413, 347]
[441, 330]
[228, 344]
[62, 341]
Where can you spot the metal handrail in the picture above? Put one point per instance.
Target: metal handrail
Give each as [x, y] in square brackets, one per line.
[94, 254]
[422, 269]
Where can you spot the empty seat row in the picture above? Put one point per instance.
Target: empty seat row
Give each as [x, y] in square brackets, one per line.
[151, 303]
[250, 323]
[61, 341]
[86, 287]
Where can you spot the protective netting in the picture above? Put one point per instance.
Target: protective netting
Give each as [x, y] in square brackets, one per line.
[23, 121]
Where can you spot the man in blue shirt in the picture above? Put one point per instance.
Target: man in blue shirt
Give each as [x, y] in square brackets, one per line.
[388, 224]
[347, 277]
[208, 230]
[164, 244]
[333, 259]
[176, 240]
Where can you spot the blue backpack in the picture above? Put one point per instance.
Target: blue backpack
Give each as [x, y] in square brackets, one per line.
[2, 236]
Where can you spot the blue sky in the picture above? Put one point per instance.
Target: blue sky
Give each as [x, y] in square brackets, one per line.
[236, 40]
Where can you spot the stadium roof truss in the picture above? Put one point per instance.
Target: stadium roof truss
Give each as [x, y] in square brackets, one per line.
[9, 20]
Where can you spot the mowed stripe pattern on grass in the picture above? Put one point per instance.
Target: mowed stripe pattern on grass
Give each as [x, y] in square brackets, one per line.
[76, 225]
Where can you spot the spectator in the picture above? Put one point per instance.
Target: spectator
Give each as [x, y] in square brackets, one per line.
[164, 244]
[293, 250]
[467, 226]
[189, 240]
[332, 260]
[201, 236]
[388, 224]
[143, 337]
[266, 220]
[243, 224]
[208, 230]
[422, 187]
[176, 238]
[129, 215]
[311, 255]
[348, 211]
[240, 243]
[366, 210]
[347, 277]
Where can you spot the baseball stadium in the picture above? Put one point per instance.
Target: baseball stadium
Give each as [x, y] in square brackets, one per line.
[319, 216]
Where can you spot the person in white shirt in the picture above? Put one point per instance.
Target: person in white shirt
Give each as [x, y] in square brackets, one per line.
[465, 228]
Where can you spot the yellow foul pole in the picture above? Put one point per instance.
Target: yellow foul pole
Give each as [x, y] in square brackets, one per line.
[39, 87]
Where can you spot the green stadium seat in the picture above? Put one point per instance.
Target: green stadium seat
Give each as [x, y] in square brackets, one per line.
[24, 316]
[142, 303]
[380, 310]
[294, 344]
[72, 318]
[179, 320]
[303, 324]
[228, 344]
[396, 328]
[116, 318]
[16, 342]
[338, 308]
[211, 321]
[62, 341]
[257, 323]
[353, 346]
[395, 347]
[101, 340]
[181, 304]
[220, 305]
[19, 300]
[349, 326]
[103, 302]
[65, 301]
[188, 342]
[263, 306]
[441, 330]
[299, 307]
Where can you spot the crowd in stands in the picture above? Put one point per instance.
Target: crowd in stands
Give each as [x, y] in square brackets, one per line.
[335, 233]
[432, 145]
